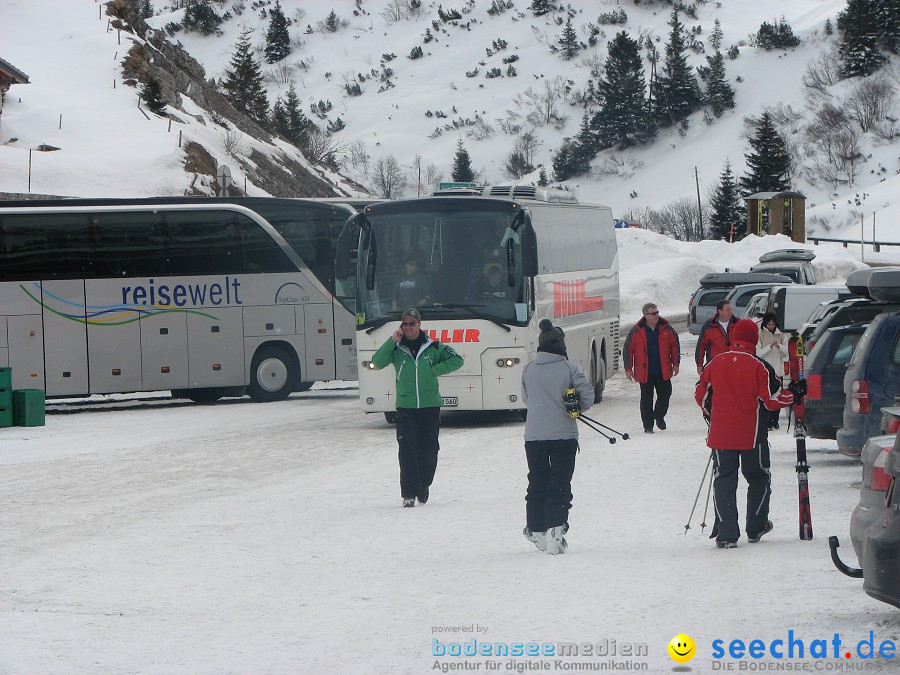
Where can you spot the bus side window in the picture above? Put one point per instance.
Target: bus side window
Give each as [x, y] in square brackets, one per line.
[259, 252]
[128, 244]
[202, 242]
[46, 246]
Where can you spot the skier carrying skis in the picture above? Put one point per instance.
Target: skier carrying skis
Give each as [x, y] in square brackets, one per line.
[735, 391]
[551, 438]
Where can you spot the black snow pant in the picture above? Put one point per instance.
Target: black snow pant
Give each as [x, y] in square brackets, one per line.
[663, 389]
[754, 464]
[549, 496]
[417, 436]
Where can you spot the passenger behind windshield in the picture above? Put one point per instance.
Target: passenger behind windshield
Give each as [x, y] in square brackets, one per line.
[491, 285]
[412, 288]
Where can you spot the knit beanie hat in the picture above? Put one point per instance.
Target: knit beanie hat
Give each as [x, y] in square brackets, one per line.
[551, 339]
[746, 331]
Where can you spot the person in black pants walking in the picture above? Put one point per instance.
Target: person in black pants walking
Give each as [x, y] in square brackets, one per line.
[651, 356]
[551, 438]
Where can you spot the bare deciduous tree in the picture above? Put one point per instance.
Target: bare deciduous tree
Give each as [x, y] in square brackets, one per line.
[397, 10]
[679, 219]
[480, 130]
[231, 139]
[323, 147]
[280, 74]
[870, 101]
[543, 108]
[388, 178]
[821, 73]
[425, 177]
[520, 160]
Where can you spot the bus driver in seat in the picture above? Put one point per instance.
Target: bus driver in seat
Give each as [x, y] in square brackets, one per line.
[413, 287]
[492, 284]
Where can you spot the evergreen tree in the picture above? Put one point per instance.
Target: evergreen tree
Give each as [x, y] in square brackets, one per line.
[719, 94]
[243, 82]
[146, 10]
[584, 148]
[715, 38]
[542, 178]
[622, 120]
[332, 22]
[563, 161]
[202, 18]
[278, 41]
[768, 161]
[151, 94]
[676, 92]
[568, 43]
[297, 122]
[727, 209]
[462, 165]
[858, 49]
[887, 14]
[280, 118]
[540, 7]
[776, 36]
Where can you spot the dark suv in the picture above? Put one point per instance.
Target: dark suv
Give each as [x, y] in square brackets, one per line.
[873, 373]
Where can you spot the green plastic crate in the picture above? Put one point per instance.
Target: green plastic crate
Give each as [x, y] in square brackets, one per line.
[28, 407]
[5, 378]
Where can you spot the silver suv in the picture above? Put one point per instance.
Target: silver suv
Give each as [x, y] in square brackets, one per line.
[716, 286]
[790, 262]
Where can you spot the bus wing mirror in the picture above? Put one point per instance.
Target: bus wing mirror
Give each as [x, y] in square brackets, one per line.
[529, 248]
[345, 246]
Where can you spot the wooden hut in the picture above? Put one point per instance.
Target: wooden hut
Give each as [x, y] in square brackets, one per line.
[777, 213]
[9, 75]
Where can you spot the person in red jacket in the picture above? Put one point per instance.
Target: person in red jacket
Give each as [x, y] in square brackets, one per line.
[715, 335]
[735, 390]
[651, 357]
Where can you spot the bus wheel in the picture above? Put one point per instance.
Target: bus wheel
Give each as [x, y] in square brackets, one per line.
[207, 395]
[390, 417]
[598, 366]
[272, 374]
[304, 386]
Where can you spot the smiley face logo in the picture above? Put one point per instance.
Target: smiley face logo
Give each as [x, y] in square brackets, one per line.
[682, 648]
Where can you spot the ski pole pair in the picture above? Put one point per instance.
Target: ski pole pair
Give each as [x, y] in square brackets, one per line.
[594, 424]
[697, 498]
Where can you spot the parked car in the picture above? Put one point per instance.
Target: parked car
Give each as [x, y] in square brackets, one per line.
[757, 306]
[714, 287]
[740, 297]
[872, 380]
[825, 368]
[793, 304]
[844, 312]
[795, 263]
[875, 522]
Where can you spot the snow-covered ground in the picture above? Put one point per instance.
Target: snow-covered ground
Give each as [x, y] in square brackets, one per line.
[152, 536]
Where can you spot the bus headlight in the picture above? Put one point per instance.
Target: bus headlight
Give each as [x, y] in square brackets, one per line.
[368, 364]
[507, 363]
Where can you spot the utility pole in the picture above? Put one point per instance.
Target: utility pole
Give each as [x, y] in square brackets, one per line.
[699, 205]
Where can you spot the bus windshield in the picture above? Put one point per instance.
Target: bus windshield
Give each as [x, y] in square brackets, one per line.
[453, 259]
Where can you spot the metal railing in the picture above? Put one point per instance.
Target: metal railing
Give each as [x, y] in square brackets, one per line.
[874, 244]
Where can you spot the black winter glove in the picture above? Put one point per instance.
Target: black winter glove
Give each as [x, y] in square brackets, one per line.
[798, 389]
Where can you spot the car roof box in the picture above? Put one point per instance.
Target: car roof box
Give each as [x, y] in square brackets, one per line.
[884, 285]
[797, 254]
[737, 278]
[858, 282]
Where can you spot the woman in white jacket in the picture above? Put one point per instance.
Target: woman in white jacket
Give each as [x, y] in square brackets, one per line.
[772, 349]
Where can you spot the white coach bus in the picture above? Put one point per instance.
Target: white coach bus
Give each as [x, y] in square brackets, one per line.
[206, 297]
[556, 259]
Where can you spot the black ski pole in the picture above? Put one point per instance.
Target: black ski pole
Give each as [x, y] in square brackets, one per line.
[589, 426]
[708, 492]
[624, 436]
[697, 498]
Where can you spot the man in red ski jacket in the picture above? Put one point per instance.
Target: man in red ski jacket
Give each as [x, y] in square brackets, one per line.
[734, 392]
[651, 356]
[715, 335]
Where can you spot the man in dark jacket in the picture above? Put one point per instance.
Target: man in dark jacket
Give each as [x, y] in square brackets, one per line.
[551, 438]
[735, 390]
[419, 361]
[715, 335]
[651, 356]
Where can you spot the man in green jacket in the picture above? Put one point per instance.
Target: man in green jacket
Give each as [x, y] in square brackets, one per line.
[418, 361]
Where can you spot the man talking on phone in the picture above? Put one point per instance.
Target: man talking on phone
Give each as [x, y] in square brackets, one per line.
[418, 361]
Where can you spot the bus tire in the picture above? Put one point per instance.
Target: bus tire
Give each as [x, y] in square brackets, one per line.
[304, 386]
[201, 395]
[598, 366]
[273, 374]
[390, 417]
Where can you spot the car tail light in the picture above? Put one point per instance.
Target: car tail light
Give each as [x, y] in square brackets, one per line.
[807, 347]
[881, 480]
[859, 397]
[814, 387]
[893, 425]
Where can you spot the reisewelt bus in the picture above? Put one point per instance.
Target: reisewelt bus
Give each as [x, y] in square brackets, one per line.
[557, 258]
[206, 297]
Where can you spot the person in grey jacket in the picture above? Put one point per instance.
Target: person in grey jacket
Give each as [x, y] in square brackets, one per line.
[551, 438]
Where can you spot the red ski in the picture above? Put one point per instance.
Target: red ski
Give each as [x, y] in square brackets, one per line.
[798, 388]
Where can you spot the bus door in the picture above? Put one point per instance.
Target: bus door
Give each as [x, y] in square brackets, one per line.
[318, 323]
[113, 337]
[65, 337]
[344, 344]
